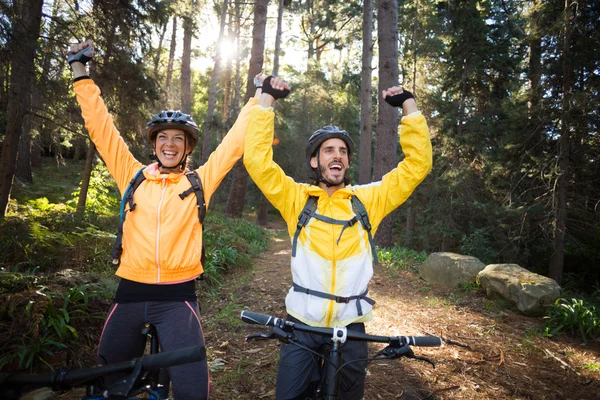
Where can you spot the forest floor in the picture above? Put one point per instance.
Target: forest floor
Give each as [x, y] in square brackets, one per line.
[490, 352]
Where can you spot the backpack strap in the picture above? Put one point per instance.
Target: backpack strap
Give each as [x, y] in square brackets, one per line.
[337, 299]
[127, 199]
[308, 211]
[363, 217]
[196, 187]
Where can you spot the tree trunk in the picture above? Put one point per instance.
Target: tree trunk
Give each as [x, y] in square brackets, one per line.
[163, 31]
[235, 103]
[410, 223]
[535, 79]
[237, 194]
[209, 124]
[278, 38]
[262, 214]
[366, 102]
[24, 159]
[85, 180]
[170, 63]
[186, 61]
[26, 31]
[564, 151]
[387, 120]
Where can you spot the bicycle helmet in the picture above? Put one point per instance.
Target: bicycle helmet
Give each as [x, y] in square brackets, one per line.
[323, 134]
[173, 119]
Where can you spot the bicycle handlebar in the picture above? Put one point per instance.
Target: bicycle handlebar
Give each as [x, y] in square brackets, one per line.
[261, 319]
[64, 378]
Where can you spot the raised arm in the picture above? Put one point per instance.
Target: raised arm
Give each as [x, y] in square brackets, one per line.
[98, 122]
[398, 184]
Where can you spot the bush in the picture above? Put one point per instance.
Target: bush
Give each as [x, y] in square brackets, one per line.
[400, 257]
[229, 243]
[44, 320]
[477, 245]
[574, 315]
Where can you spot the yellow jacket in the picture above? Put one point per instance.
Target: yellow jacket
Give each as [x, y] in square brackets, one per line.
[162, 238]
[322, 264]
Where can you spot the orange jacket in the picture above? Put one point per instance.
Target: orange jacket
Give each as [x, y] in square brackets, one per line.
[162, 238]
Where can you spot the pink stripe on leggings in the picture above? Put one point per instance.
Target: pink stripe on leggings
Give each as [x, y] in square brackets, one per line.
[111, 312]
[202, 332]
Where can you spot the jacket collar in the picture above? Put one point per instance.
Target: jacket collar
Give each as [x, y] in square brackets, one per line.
[152, 173]
[343, 193]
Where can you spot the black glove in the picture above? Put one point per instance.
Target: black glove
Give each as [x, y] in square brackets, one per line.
[398, 99]
[277, 94]
[82, 56]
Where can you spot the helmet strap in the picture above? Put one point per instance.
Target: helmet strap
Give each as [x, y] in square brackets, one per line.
[320, 176]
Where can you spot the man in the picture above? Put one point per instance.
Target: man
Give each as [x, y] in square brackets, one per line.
[332, 256]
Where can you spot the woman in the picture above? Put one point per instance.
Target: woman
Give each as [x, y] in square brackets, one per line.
[162, 238]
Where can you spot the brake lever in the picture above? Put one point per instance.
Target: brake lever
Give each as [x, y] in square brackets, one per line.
[424, 359]
[259, 336]
[276, 333]
[404, 350]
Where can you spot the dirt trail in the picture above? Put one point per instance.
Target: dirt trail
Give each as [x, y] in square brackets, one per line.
[491, 353]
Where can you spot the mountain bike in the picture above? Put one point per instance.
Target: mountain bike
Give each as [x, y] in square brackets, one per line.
[329, 368]
[145, 376]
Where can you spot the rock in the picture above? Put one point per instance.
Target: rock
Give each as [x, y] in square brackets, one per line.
[450, 269]
[528, 291]
[71, 277]
[39, 394]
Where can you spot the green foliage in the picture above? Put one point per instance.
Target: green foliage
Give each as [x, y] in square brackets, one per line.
[229, 243]
[400, 257]
[47, 323]
[591, 366]
[477, 245]
[102, 196]
[469, 287]
[15, 281]
[229, 316]
[577, 316]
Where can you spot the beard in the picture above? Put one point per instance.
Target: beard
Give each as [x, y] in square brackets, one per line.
[333, 180]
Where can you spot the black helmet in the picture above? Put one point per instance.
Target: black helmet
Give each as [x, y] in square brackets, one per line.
[173, 119]
[323, 134]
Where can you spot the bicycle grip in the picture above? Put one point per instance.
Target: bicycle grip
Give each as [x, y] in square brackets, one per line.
[423, 341]
[250, 317]
[176, 357]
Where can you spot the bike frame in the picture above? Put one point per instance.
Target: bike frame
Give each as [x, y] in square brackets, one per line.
[398, 346]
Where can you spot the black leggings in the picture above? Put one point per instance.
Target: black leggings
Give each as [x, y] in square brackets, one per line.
[178, 326]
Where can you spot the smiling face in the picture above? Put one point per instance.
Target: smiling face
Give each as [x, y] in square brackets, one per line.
[169, 145]
[333, 161]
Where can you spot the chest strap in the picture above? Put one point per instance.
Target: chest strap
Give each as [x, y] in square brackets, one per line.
[310, 211]
[337, 299]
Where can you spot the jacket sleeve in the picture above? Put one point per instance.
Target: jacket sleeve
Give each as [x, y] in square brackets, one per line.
[227, 153]
[381, 198]
[279, 189]
[115, 153]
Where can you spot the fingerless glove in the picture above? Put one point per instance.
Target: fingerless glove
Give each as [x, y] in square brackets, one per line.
[277, 94]
[398, 99]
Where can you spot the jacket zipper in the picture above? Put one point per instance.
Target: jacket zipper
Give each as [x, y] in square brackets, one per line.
[331, 306]
[162, 196]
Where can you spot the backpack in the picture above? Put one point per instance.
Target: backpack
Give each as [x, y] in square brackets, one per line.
[139, 177]
[310, 211]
